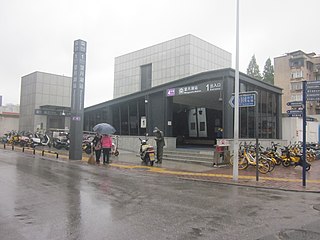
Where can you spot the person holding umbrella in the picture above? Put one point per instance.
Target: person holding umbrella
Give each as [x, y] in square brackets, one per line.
[105, 130]
[106, 143]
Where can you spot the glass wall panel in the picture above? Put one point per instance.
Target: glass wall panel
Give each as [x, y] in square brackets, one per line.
[124, 119]
[142, 113]
[267, 115]
[263, 114]
[243, 123]
[251, 122]
[133, 118]
[116, 119]
[104, 115]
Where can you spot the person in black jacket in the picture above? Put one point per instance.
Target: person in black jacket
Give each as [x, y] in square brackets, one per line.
[97, 147]
[159, 137]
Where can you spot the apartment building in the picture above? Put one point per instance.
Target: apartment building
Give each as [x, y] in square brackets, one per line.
[9, 118]
[289, 72]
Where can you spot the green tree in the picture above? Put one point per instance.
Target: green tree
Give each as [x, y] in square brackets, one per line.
[253, 68]
[268, 72]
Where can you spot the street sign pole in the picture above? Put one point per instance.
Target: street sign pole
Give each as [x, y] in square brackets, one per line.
[304, 123]
[257, 141]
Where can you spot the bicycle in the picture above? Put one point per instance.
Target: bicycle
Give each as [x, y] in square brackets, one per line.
[246, 159]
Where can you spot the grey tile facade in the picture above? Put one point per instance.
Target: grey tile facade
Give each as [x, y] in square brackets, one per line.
[169, 61]
[42, 89]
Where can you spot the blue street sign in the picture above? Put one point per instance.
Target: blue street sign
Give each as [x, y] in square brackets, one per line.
[295, 104]
[313, 97]
[313, 90]
[294, 113]
[245, 100]
[313, 85]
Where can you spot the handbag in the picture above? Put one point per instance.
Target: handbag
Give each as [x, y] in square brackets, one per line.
[98, 146]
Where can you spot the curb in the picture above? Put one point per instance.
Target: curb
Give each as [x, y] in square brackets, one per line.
[249, 186]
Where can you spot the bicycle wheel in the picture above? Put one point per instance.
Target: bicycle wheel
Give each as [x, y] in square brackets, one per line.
[243, 163]
[271, 161]
[272, 165]
[286, 162]
[264, 166]
[279, 161]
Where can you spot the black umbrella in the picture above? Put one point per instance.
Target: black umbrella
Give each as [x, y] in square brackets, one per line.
[104, 128]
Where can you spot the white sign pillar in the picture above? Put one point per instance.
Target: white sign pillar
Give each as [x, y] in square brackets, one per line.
[236, 104]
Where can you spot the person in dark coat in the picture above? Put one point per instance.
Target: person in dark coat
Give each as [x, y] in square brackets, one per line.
[97, 147]
[159, 138]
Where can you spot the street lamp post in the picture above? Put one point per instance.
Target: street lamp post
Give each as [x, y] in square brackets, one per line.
[236, 103]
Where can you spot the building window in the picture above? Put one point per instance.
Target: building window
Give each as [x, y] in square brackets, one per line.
[296, 86]
[296, 74]
[296, 97]
[202, 126]
[146, 76]
[296, 63]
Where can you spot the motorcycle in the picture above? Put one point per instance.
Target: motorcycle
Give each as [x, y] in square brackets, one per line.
[25, 141]
[61, 142]
[13, 138]
[147, 152]
[40, 140]
[87, 146]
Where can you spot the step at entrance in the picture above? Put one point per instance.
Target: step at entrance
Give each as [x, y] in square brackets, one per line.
[189, 156]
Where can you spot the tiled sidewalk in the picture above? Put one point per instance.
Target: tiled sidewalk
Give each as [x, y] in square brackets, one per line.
[282, 178]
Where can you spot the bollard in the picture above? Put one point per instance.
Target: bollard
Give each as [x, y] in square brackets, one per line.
[34, 151]
[22, 149]
[42, 153]
[12, 146]
[57, 155]
[4, 146]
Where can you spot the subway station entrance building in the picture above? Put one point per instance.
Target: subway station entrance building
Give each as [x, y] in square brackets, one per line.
[195, 109]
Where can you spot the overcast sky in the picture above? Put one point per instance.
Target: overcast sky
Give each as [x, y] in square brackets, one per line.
[38, 35]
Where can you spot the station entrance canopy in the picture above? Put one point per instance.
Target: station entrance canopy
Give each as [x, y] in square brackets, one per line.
[207, 94]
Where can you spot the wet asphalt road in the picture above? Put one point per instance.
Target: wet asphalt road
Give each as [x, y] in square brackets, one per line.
[50, 199]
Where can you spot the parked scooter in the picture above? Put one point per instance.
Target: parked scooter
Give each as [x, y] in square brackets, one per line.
[61, 142]
[114, 148]
[147, 152]
[25, 141]
[290, 157]
[87, 146]
[13, 138]
[40, 140]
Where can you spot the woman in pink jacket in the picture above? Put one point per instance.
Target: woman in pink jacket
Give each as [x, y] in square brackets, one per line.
[106, 143]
